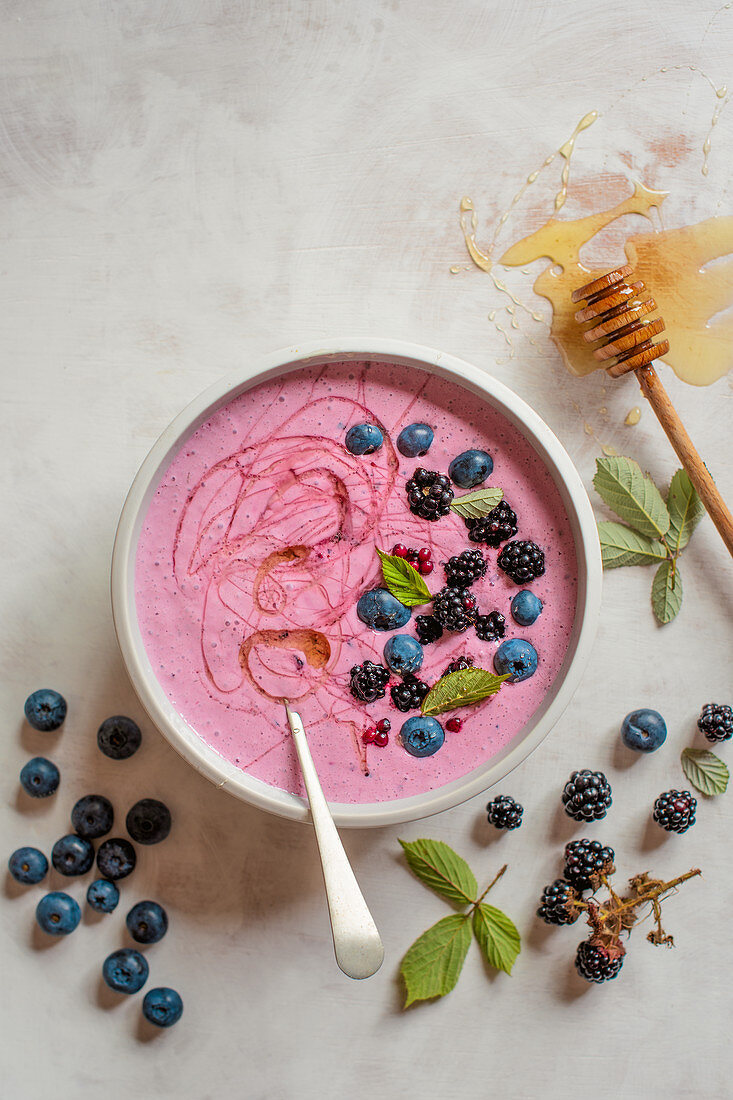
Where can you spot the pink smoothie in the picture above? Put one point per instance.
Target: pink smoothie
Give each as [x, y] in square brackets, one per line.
[261, 537]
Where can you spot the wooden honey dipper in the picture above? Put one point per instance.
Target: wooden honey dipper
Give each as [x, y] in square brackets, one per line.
[618, 325]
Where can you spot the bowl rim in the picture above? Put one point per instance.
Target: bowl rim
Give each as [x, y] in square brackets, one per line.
[183, 738]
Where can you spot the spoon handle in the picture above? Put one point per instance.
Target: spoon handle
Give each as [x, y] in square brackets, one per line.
[356, 941]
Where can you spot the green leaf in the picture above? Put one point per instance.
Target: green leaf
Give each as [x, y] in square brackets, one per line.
[633, 497]
[667, 591]
[461, 689]
[622, 546]
[685, 510]
[705, 770]
[433, 964]
[478, 504]
[442, 869]
[497, 936]
[404, 582]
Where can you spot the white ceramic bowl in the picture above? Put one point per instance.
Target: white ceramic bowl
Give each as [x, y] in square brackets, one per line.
[574, 498]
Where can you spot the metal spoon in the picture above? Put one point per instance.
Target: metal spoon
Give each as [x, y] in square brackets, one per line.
[356, 942]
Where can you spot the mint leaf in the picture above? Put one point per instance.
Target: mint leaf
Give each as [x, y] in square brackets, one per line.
[633, 497]
[667, 591]
[685, 510]
[433, 964]
[404, 582]
[705, 770]
[622, 546]
[497, 936]
[442, 869]
[461, 689]
[478, 504]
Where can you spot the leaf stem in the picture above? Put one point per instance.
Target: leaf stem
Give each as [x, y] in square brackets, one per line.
[493, 882]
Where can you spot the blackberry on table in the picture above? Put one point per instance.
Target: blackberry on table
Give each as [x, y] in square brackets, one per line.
[490, 627]
[428, 629]
[429, 494]
[597, 963]
[458, 664]
[463, 569]
[587, 795]
[504, 813]
[496, 527]
[455, 609]
[556, 903]
[585, 860]
[716, 722]
[675, 811]
[368, 681]
[409, 694]
[523, 561]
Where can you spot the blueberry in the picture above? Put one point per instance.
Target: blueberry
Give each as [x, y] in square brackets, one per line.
[103, 896]
[148, 821]
[526, 608]
[72, 855]
[125, 971]
[39, 777]
[470, 469]
[380, 610]
[147, 922]
[403, 654]
[119, 737]
[28, 865]
[421, 736]
[58, 914]
[92, 816]
[45, 710]
[162, 1006]
[364, 439]
[116, 858]
[415, 440]
[516, 658]
[643, 730]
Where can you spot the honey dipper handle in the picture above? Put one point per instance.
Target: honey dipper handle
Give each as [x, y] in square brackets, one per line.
[658, 398]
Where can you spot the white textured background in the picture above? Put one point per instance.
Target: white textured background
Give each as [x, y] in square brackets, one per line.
[185, 184]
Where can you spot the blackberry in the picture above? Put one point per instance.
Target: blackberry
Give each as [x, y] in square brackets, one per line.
[716, 722]
[522, 561]
[596, 963]
[585, 860]
[463, 569]
[496, 527]
[368, 682]
[429, 494]
[556, 903]
[458, 664]
[455, 609]
[675, 811]
[428, 629]
[409, 694]
[490, 627]
[587, 795]
[504, 813]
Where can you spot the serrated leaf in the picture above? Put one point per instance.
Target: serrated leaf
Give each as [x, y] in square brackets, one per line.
[477, 504]
[633, 497]
[461, 689]
[442, 869]
[685, 510]
[667, 591]
[497, 936]
[705, 770]
[431, 967]
[404, 582]
[622, 546]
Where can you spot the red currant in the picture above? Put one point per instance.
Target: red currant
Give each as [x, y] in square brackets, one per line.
[370, 735]
[426, 567]
[453, 725]
[399, 550]
[425, 554]
[384, 725]
[381, 739]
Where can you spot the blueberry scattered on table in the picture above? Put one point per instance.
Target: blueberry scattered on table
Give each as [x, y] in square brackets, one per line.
[119, 737]
[125, 971]
[526, 608]
[415, 440]
[364, 439]
[103, 896]
[45, 710]
[148, 821]
[587, 795]
[716, 722]
[522, 560]
[517, 659]
[147, 922]
[504, 813]
[471, 468]
[116, 858]
[380, 610]
[643, 730]
[162, 1006]
[72, 855]
[58, 914]
[28, 866]
[421, 736]
[403, 654]
[39, 777]
[675, 811]
[92, 816]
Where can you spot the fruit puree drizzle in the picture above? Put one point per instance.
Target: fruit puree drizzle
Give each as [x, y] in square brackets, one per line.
[271, 545]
